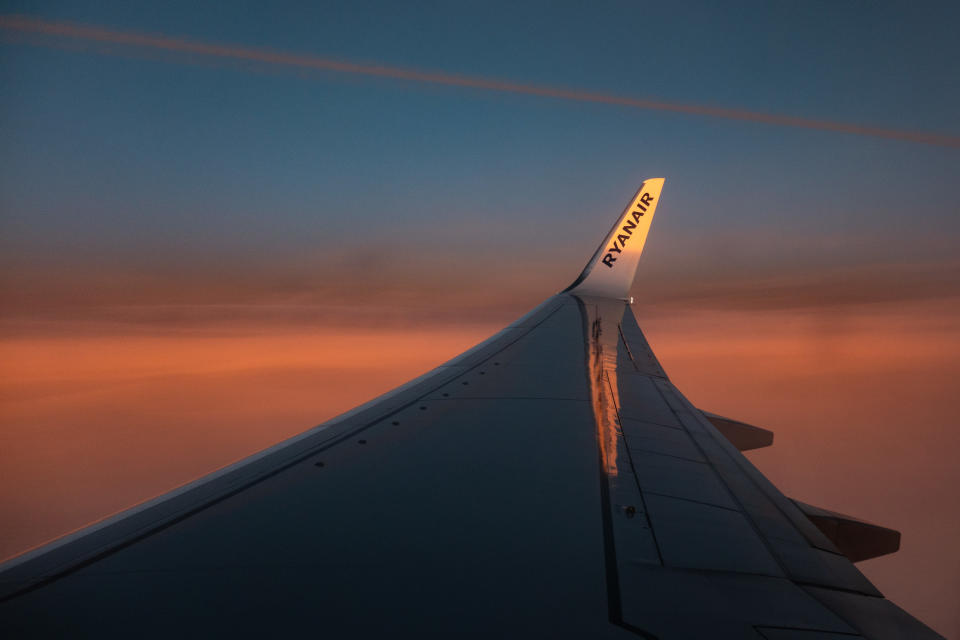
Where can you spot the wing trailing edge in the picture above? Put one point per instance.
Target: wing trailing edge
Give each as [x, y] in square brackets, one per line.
[855, 538]
[740, 434]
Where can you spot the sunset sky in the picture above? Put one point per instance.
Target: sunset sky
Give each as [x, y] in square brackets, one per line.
[223, 224]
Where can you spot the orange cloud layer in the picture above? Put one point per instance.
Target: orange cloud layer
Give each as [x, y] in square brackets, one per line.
[177, 298]
[863, 405]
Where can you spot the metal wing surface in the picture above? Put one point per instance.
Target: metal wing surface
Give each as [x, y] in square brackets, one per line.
[550, 482]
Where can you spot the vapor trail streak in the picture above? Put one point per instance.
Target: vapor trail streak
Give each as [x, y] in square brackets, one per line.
[28, 25]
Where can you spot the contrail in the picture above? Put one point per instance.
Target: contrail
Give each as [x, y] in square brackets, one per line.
[22, 24]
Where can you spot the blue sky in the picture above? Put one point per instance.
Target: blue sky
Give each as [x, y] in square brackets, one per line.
[157, 159]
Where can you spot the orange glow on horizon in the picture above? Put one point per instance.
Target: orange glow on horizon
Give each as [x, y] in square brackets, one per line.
[863, 404]
[90, 425]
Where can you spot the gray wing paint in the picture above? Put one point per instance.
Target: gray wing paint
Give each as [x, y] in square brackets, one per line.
[551, 482]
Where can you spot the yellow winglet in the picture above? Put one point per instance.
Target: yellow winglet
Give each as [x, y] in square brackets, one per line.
[611, 270]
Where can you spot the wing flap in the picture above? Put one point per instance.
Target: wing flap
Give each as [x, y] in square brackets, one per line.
[855, 538]
[794, 546]
[740, 434]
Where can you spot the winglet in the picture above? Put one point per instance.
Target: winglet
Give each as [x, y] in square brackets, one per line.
[611, 270]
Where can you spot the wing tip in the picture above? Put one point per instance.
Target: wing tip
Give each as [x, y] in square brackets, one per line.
[611, 270]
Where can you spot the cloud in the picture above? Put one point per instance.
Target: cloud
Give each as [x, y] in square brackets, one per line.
[242, 295]
[822, 288]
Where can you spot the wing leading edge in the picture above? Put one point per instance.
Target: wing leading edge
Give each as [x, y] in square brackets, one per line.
[550, 481]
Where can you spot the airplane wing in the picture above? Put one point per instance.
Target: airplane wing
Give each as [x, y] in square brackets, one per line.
[550, 482]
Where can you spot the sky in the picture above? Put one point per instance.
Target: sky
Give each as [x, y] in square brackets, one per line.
[200, 202]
